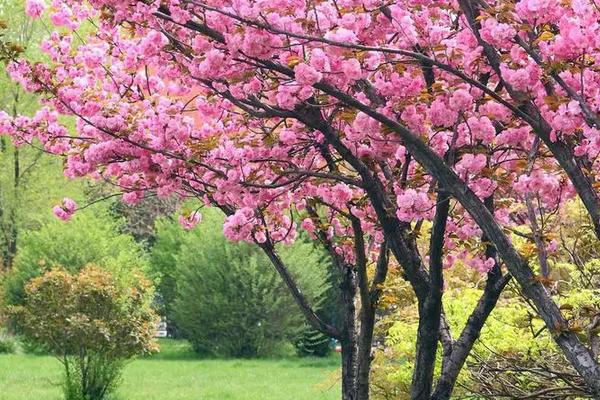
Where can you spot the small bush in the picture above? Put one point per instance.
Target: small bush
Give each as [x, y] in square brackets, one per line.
[8, 344]
[91, 323]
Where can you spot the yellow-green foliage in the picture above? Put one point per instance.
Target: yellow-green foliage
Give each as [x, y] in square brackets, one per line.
[508, 330]
[89, 310]
[512, 331]
[91, 323]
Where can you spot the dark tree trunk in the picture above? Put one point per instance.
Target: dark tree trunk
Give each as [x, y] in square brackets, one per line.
[356, 355]
[357, 338]
[430, 310]
[364, 352]
[349, 370]
[13, 236]
[349, 341]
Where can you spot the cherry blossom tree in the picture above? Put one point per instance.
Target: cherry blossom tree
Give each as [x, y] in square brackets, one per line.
[363, 123]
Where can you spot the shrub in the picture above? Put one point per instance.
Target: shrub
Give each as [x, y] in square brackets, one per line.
[72, 245]
[91, 323]
[8, 344]
[229, 307]
[228, 300]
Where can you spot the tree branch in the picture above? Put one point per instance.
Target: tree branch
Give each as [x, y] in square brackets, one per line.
[314, 320]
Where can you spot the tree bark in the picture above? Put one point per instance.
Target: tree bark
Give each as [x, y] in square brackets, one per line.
[349, 340]
[348, 369]
[364, 354]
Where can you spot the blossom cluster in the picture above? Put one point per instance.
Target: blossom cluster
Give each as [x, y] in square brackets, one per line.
[188, 97]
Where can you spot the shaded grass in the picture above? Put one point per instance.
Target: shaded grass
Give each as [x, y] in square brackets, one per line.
[176, 374]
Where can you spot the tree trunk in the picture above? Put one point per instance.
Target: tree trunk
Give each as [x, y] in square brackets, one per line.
[365, 343]
[349, 381]
[430, 310]
[356, 340]
[356, 362]
[349, 336]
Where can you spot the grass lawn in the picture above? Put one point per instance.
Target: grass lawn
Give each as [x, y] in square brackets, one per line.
[175, 374]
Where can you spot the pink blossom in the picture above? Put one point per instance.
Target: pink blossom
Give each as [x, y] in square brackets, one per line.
[239, 226]
[133, 197]
[553, 246]
[62, 16]
[523, 79]
[66, 210]
[496, 33]
[189, 222]
[406, 199]
[537, 10]
[307, 75]
[341, 193]
[472, 163]
[35, 8]
[461, 100]
[480, 265]
[440, 114]
[287, 136]
[413, 205]
[260, 236]
[319, 60]
[286, 96]
[351, 69]
[308, 225]
[482, 129]
[342, 35]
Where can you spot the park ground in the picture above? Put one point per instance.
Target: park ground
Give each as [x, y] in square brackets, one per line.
[177, 374]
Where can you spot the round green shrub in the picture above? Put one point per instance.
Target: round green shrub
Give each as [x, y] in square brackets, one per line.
[227, 299]
[91, 323]
[86, 239]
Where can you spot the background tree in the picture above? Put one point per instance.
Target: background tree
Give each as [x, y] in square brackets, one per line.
[23, 204]
[140, 219]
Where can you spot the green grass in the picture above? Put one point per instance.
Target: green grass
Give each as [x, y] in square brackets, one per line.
[175, 374]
